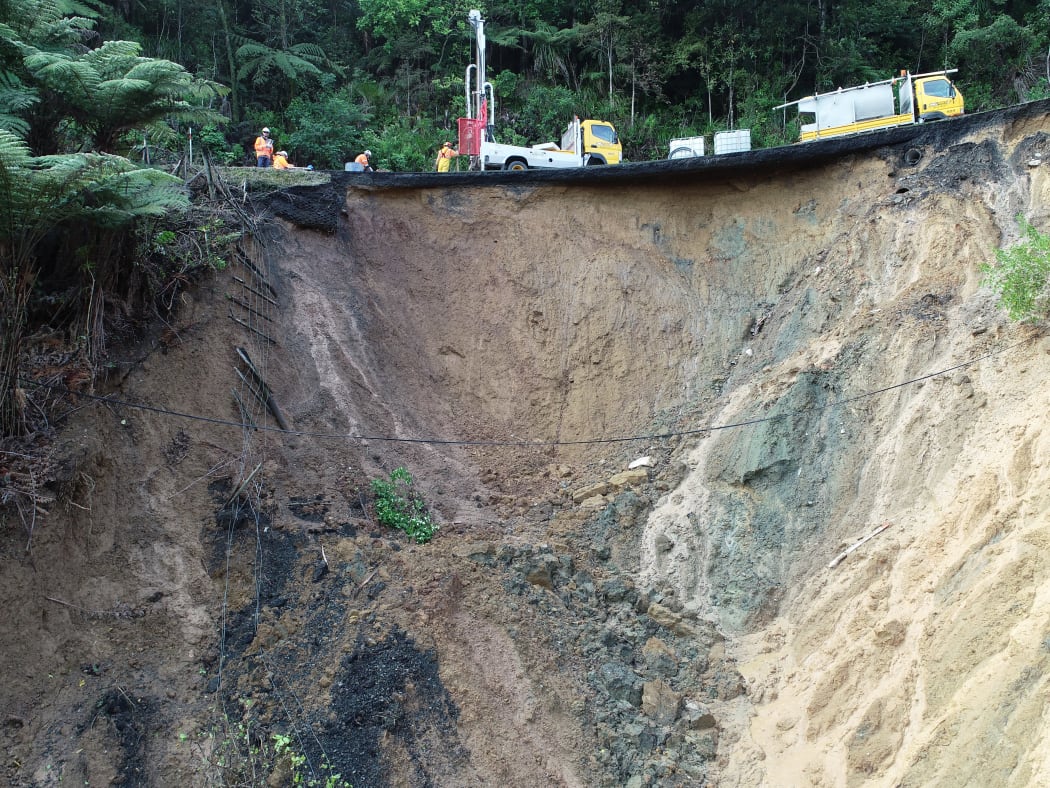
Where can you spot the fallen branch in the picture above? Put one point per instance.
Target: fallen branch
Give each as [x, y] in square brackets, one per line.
[268, 398]
[261, 295]
[841, 556]
[237, 320]
[364, 582]
[122, 611]
[241, 487]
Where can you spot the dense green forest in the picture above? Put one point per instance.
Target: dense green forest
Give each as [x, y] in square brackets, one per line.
[332, 77]
[101, 99]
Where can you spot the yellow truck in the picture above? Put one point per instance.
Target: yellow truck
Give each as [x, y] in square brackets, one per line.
[909, 98]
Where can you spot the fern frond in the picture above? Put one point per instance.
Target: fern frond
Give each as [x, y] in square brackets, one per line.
[62, 73]
[15, 98]
[292, 66]
[111, 51]
[252, 49]
[117, 94]
[107, 190]
[14, 124]
[91, 9]
[159, 72]
[311, 52]
[259, 61]
[14, 152]
[45, 22]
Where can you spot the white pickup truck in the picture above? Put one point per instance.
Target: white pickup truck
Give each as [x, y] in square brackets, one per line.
[584, 143]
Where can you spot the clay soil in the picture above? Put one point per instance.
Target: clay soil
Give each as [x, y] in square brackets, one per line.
[803, 351]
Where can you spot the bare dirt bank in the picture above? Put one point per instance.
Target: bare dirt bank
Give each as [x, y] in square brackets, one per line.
[515, 346]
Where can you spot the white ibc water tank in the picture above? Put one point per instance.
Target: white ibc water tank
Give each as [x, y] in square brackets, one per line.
[732, 141]
[686, 148]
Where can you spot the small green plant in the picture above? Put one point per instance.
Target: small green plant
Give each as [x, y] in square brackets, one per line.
[398, 506]
[282, 748]
[1020, 275]
[222, 151]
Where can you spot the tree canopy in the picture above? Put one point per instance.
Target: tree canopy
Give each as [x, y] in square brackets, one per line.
[337, 76]
[71, 99]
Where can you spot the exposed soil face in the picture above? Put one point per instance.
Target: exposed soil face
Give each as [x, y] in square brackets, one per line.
[198, 589]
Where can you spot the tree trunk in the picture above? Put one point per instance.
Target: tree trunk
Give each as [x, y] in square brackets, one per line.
[231, 63]
[634, 82]
[15, 289]
[284, 25]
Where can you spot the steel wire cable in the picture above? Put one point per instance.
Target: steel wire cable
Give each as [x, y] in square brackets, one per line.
[540, 443]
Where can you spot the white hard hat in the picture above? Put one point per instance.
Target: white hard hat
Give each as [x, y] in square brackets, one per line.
[267, 131]
[368, 153]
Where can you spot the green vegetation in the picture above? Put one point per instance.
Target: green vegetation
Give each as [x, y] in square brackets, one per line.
[299, 767]
[270, 180]
[332, 79]
[241, 752]
[73, 209]
[398, 506]
[1021, 275]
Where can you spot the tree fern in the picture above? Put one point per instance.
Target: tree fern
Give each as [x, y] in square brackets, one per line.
[49, 82]
[15, 99]
[112, 90]
[75, 8]
[41, 194]
[260, 61]
[50, 24]
[62, 73]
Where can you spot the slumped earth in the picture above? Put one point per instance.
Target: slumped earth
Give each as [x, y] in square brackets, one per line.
[804, 353]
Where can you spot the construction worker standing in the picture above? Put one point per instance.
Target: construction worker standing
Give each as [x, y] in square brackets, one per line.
[363, 160]
[444, 157]
[264, 149]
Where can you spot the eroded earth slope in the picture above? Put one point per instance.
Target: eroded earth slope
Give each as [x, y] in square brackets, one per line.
[801, 347]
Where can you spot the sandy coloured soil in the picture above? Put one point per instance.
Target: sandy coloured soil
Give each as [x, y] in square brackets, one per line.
[805, 353]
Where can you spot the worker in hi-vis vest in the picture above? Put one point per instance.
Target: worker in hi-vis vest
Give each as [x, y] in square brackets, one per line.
[444, 157]
[264, 149]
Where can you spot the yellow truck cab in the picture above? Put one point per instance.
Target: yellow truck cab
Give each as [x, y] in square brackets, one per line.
[909, 98]
[936, 98]
[601, 144]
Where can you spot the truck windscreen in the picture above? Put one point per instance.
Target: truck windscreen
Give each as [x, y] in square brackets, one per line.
[604, 133]
[939, 88]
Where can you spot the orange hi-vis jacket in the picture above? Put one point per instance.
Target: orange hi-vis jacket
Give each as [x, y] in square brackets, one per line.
[263, 147]
[445, 157]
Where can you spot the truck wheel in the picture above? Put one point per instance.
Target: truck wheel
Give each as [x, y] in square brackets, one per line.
[515, 165]
[594, 160]
[681, 153]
